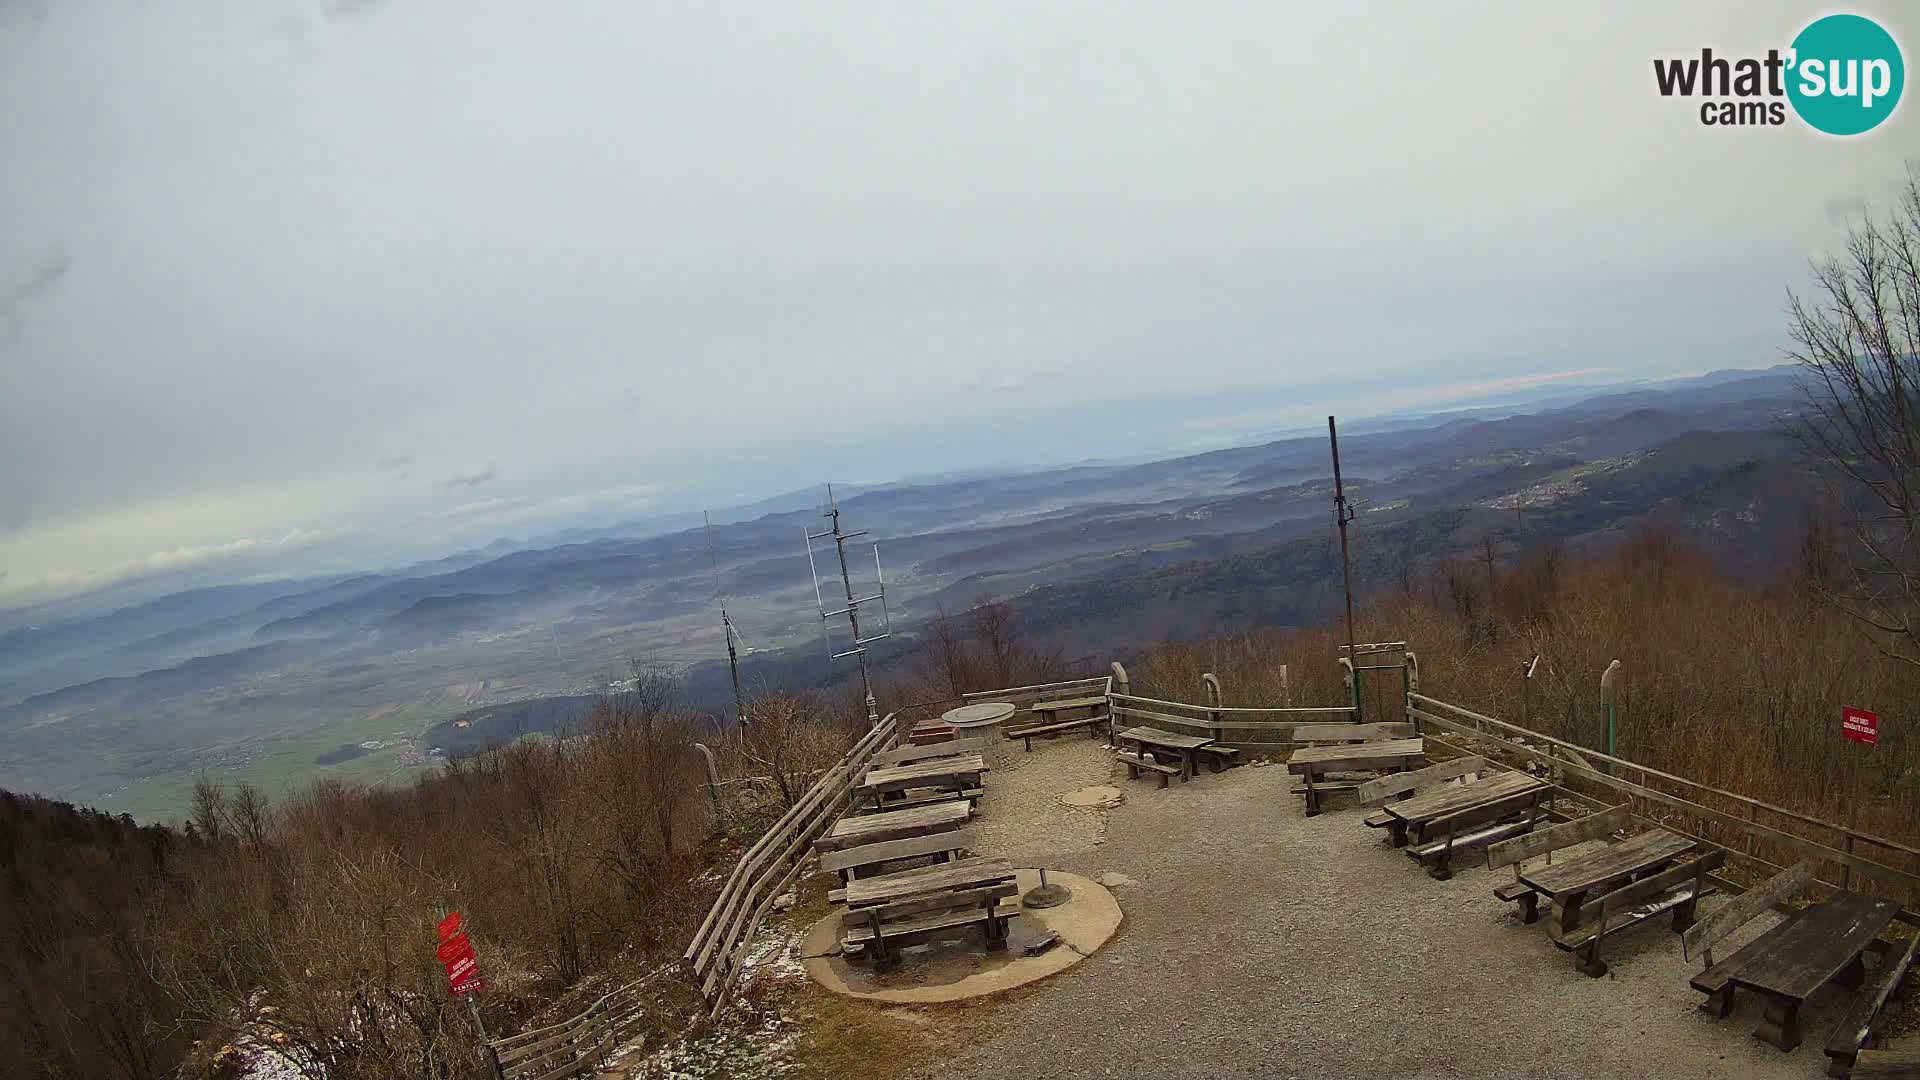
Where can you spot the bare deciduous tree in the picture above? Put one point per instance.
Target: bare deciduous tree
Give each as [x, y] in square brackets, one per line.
[1855, 335]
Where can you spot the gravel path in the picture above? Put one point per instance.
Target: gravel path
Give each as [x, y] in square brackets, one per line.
[1263, 943]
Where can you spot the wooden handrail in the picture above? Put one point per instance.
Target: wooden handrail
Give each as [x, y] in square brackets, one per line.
[1595, 755]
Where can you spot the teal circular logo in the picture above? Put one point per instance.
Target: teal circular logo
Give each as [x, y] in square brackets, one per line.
[1846, 74]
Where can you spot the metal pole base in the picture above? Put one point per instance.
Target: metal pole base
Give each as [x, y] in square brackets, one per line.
[1046, 896]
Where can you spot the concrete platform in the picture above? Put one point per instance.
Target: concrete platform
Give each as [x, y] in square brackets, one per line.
[961, 969]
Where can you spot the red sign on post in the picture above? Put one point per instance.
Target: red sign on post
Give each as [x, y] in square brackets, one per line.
[456, 955]
[1861, 726]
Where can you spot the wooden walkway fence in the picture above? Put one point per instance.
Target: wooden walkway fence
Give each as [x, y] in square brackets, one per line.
[1248, 729]
[718, 951]
[1760, 834]
[575, 1045]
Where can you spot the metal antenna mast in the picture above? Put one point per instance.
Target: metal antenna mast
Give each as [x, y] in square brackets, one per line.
[726, 626]
[852, 610]
[1343, 513]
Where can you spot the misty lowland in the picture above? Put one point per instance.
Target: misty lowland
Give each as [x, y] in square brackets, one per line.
[882, 543]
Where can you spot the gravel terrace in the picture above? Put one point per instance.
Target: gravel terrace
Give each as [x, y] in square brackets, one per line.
[1260, 942]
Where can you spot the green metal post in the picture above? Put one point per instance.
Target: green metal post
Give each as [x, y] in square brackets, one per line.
[1606, 699]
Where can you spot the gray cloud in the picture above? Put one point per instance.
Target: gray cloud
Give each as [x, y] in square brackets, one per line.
[471, 480]
[827, 240]
[1840, 209]
[15, 521]
[390, 463]
[346, 9]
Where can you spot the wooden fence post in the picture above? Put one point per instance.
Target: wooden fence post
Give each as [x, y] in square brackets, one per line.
[1286, 689]
[1211, 684]
[1351, 679]
[1606, 701]
[1120, 687]
[713, 774]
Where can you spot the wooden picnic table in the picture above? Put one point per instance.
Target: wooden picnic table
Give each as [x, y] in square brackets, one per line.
[1568, 881]
[895, 825]
[970, 873]
[1384, 755]
[1387, 754]
[1411, 816]
[956, 773]
[1183, 745]
[1820, 944]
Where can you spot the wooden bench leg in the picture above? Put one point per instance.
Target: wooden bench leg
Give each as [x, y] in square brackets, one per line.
[1780, 1026]
[1719, 1004]
[1853, 974]
[1442, 868]
[1313, 797]
[1397, 833]
[1530, 908]
[1590, 963]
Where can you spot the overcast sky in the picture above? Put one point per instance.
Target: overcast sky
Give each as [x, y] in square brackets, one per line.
[298, 284]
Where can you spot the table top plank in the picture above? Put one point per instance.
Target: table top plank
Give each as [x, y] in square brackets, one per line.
[1580, 872]
[1156, 737]
[1819, 943]
[895, 824]
[1358, 755]
[940, 877]
[928, 772]
[1440, 802]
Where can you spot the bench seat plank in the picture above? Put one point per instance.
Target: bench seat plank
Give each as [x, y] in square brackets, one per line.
[1887, 1065]
[1092, 702]
[1855, 1029]
[861, 935]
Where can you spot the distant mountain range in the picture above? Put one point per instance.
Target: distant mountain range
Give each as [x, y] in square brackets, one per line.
[268, 679]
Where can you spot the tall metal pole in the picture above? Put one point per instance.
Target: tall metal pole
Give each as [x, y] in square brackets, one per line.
[853, 607]
[726, 626]
[733, 663]
[1343, 514]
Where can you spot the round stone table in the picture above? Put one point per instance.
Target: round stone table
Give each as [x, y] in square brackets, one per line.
[986, 717]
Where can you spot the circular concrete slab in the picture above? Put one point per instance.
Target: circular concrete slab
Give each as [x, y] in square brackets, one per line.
[1100, 797]
[957, 970]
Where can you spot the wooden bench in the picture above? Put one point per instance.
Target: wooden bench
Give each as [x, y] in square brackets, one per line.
[870, 859]
[1219, 758]
[1792, 960]
[1516, 851]
[1677, 889]
[893, 911]
[1405, 785]
[1091, 723]
[1735, 913]
[1475, 827]
[907, 755]
[1135, 762]
[1315, 784]
[1049, 711]
[1856, 1030]
[1333, 734]
[1887, 1065]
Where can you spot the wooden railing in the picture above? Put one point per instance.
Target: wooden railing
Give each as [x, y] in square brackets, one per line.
[1249, 728]
[1761, 834]
[1020, 695]
[575, 1045]
[717, 953]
